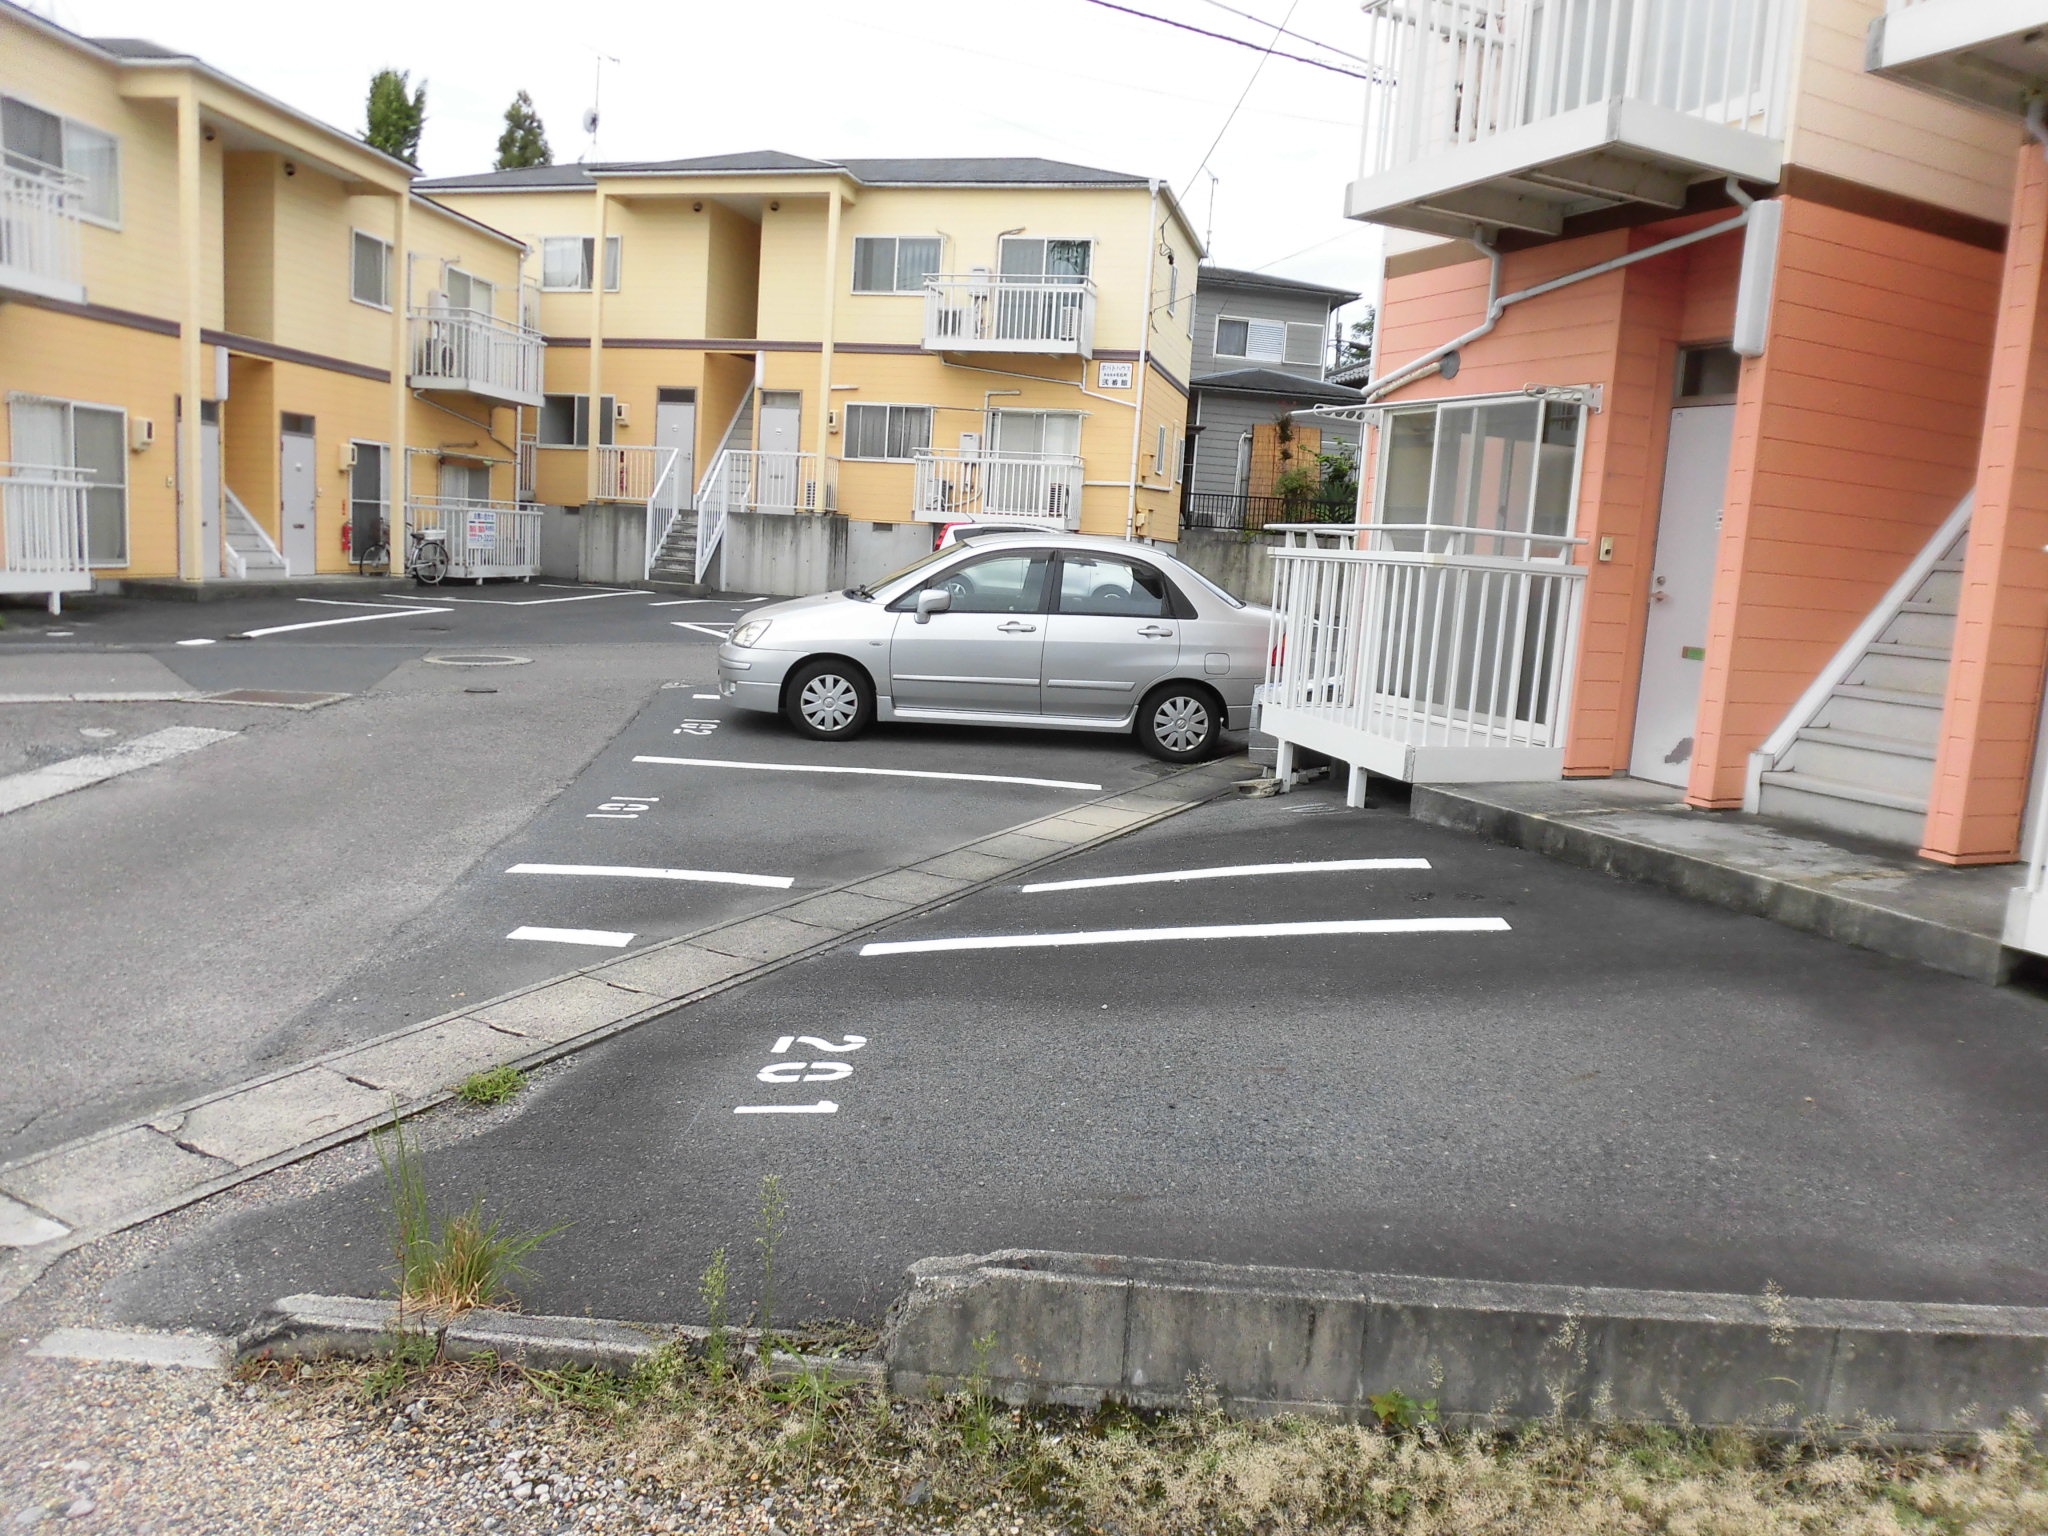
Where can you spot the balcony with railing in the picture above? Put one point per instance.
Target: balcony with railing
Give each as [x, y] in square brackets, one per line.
[476, 353]
[983, 311]
[484, 538]
[1013, 487]
[39, 234]
[1434, 654]
[1982, 53]
[1484, 115]
[42, 530]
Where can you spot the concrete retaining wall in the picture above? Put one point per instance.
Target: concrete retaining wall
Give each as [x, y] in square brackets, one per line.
[1240, 566]
[796, 554]
[1078, 1329]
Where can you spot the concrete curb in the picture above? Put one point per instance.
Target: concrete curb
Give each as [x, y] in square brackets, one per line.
[348, 1327]
[133, 1172]
[1817, 904]
[1079, 1329]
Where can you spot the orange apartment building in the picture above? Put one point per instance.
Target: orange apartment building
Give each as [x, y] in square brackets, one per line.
[1710, 412]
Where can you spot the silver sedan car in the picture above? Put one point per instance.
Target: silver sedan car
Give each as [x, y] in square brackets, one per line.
[1046, 629]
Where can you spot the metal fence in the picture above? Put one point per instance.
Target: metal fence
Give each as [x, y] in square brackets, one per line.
[1033, 487]
[1235, 513]
[42, 530]
[484, 538]
[990, 312]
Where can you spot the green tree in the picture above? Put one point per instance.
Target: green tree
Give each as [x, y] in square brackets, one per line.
[524, 141]
[397, 113]
[1355, 346]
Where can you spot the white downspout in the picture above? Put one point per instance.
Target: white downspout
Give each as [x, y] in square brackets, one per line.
[1144, 355]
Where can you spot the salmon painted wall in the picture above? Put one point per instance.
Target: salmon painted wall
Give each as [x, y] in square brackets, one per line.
[1856, 434]
[1986, 750]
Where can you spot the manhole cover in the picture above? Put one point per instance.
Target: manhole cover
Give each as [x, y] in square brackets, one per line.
[478, 659]
[275, 698]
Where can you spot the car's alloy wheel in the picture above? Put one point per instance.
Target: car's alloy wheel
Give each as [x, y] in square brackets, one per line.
[1178, 724]
[829, 703]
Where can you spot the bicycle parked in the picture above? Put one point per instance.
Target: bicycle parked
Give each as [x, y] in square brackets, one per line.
[426, 553]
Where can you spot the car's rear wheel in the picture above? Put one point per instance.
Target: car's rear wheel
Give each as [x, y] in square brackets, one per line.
[1179, 723]
[829, 700]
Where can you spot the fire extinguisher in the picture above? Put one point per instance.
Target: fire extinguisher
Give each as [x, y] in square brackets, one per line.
[347, 538]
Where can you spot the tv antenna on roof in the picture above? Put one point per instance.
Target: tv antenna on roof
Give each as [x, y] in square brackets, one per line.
[590, 116]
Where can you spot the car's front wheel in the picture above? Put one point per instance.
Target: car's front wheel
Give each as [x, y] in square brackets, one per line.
[1179, 723]
[829, 700]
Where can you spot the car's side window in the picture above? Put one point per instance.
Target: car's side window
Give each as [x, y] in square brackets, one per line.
[998, 584]
[1105, 585]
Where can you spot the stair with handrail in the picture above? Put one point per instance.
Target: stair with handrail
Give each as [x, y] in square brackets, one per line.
[250, 553]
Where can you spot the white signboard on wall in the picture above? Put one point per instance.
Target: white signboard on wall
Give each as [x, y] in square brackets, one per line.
[1113, 375]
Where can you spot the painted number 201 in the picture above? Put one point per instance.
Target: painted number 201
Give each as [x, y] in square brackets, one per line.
[799, 1070]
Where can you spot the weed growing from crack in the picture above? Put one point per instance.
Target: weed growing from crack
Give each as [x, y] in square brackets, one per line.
[714, 1290]
[486, 1089]
[768, 1224]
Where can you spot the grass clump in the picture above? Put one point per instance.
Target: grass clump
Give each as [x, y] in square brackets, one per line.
[446, 1262]
[497, 1086]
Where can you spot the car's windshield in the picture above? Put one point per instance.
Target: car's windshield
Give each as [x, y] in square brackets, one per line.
[872, 589]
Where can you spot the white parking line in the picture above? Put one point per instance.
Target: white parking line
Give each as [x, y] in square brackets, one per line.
[340, 602]
[687, 602]
[593, 936]
[196, 642]
[703, 695]
[1227, 872]
[514, 602]
[1210, 931]
[715, 631]
[635, 872]
[887, 773]
[822, 1107]
[354, 618]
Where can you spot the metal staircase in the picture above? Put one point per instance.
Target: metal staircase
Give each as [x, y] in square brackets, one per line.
[1857, 753]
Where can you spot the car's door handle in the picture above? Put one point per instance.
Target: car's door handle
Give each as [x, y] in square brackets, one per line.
[1156, 633]
[1014, 628]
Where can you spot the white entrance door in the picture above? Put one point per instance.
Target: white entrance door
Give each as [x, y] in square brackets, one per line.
[1681, 592]
[297, 485]
[210, 557]
[675, 426]
[782, 420]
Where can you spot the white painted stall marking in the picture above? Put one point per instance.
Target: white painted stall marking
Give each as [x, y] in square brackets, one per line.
[1227, 872]
[354, 618]
[197, 642]
[622, 808]
[693, 602]
[635, 872]
[715, 631]
[596, 937]
[342, 602]
[1207, 931]
[703, 696]
[523, 602]
[822, 1107]
[887, 773]
[695, 728]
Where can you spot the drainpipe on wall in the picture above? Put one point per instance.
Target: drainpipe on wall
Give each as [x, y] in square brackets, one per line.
[397, 462]
[1144, 355]
[191, 470]
[824, 411]
[594, 381]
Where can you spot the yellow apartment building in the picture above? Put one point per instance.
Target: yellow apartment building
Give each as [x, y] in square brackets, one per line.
[802, 366]
[234, 342]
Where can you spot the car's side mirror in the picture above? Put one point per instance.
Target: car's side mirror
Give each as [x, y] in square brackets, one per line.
[932, 600]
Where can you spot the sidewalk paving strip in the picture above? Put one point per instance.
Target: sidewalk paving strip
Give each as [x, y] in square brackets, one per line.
[128, 1174]
[121, 1346]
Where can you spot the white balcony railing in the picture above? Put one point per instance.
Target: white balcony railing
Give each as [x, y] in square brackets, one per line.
[42, 530]
[1029, 487]
[484, 538]
[629, 472]
[39, 233]
[469, 350]
[1420, 664]
[985, 311]
[1988, 54]
[1518, 113]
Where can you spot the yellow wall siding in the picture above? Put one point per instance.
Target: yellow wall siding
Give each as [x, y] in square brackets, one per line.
[529, 217]
[662, 269]
[1852, 124]
[248, 440]
[792, 275]
[732, 294]
[250, 268]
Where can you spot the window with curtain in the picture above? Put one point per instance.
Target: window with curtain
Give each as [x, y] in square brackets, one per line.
[887, 431]
[894, 263]
[1045, 261]
[1256, 341]
[566, 263]
[370, 270]
[33, 140]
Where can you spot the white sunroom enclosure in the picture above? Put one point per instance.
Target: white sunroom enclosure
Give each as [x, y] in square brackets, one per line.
[1434, 641]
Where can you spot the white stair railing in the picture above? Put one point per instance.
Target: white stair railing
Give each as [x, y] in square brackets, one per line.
[622, 472]
[239, 517]
[664, 506]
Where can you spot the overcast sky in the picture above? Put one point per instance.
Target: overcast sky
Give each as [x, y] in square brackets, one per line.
[1060, 78]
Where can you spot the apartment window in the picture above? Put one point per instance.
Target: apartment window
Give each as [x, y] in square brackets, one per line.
[94, 438]
[1162, 466]
[1505, 464]
[894, 263]
[1305, 343]
[1256, 341]
[1045, 261]
[887, 431]
[565, 421]
[370, 270]
[472, 293]
[34, 140]
[369, 495]
[565, 263]
[1172, 287]
[1031, 432]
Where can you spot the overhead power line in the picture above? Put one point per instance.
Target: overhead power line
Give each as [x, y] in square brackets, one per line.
[1225, 37]
[1264, 54]
[1297, 36]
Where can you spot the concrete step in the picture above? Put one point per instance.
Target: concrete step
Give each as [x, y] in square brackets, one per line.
[1863, 760]
[1920, 626]
[1944, 586]
[1886, 712]
[1903, 669]
[1889, 818]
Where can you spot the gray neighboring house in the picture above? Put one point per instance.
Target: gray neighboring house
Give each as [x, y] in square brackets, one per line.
[1261, 348]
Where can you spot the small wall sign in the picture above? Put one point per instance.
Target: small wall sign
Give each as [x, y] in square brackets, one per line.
[1113, 375]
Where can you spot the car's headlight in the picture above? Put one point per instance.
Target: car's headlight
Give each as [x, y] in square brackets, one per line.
[750, 633]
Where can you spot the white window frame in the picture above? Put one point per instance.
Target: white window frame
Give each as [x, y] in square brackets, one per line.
[355, 298]
[895, 265]
[1162, 466]
[580, 412]
[1247, 355]
[65, 126]
[1079, 418]
[846, 436]
[452, 270]
[1550, 549]
[70, 408]
[1042, 277]
[614, 262]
